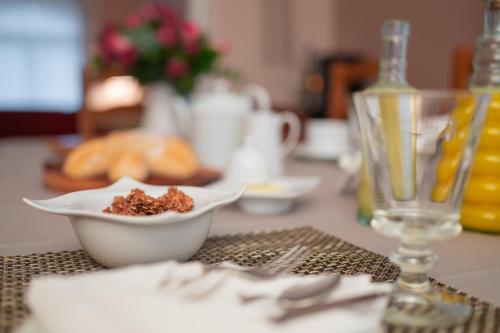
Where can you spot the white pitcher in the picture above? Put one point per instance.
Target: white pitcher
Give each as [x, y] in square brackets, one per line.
[266, 127]
[162, 109]
[218, 121]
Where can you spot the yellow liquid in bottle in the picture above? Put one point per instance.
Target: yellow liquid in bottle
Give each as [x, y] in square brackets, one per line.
[481, 203]
[397, 120]
[398, 125]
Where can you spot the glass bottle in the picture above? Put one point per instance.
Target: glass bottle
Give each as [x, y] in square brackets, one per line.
[392, 77]
[481, 205]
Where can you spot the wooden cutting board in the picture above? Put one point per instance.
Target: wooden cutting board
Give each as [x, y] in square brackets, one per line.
[55, 179]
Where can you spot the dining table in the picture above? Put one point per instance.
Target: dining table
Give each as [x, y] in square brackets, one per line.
[469, 262]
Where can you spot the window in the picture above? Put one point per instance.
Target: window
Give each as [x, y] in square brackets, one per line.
[41, 55]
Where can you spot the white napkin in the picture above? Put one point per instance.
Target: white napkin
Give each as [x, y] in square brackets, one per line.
[156, 298]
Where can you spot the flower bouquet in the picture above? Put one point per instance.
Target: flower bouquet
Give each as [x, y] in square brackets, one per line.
[156, 45]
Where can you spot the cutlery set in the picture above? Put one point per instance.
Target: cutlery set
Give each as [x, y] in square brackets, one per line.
[294, 301]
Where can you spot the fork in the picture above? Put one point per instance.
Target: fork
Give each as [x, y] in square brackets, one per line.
[280, 264]
[301, 296]
[270, 269]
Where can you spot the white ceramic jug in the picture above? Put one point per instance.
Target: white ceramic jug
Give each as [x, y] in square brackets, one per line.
[218, 122]
[266, 127]
[163, 106]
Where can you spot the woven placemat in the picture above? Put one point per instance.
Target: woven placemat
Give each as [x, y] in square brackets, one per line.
[328, 254]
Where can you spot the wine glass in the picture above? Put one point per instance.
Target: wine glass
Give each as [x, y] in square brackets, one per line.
[419, 147]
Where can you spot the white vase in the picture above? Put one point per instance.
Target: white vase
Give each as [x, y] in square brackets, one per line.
[162, 110]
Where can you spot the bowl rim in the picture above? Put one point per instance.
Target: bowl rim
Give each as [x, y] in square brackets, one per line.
[303, 185]
[222, 197]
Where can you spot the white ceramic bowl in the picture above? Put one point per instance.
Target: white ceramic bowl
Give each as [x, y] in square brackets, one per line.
[273, 202]
[116, 240]
[278, 202]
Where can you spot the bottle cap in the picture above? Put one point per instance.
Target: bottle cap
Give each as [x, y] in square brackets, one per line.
[395, 28]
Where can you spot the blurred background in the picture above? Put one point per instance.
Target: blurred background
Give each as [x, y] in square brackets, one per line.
[293, 48]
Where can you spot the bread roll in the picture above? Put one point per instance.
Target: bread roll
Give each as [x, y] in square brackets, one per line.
[90, 159]
[131, 164]
[173, 158]
[134, 154]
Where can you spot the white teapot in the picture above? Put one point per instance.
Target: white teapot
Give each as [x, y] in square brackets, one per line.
[218, 121]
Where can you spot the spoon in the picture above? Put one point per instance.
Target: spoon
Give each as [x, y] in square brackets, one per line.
[313, 293]
[300, 296]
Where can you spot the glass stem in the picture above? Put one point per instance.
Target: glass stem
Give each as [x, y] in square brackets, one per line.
[415, 259]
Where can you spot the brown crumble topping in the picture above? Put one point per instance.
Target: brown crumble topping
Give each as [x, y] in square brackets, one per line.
[138, 203]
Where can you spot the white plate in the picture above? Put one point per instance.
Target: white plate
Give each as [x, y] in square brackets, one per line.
[117, 240]
[275, 202]
[303, 151]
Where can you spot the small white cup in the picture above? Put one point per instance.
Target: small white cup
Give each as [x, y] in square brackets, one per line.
[327, 136]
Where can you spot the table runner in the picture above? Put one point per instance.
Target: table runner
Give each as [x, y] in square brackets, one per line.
[328, 254]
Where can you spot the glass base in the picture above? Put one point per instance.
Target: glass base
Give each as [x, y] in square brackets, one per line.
[425, 310]
[416, 223]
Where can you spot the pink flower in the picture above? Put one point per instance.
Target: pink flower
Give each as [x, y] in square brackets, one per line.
[133, 21]
[127, 59]
[166, 36]
[119, 44]
[115, 46]
[113, 41]
[190, 33]
[192, 49]
[176, 68]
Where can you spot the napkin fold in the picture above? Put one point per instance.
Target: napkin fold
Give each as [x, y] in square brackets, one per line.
[177, 297]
